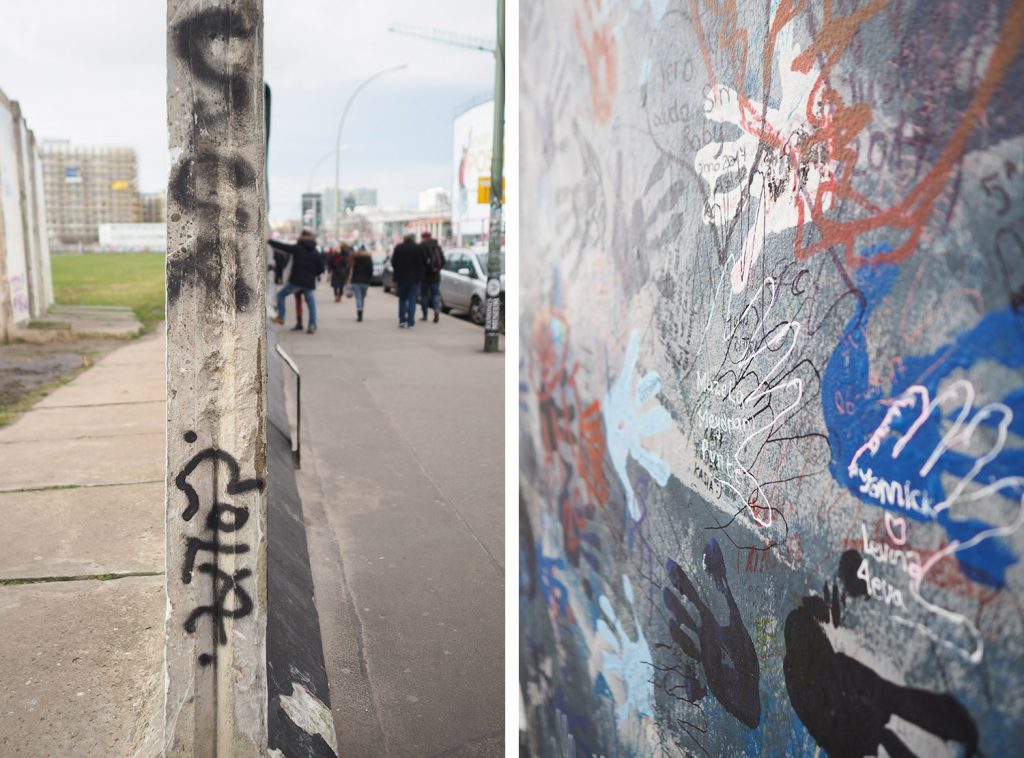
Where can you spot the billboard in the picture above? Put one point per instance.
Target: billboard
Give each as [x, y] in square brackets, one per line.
[474, 131]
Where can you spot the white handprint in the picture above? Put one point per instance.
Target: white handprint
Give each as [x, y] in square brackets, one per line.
[790, 177]
[625, 425]
[628, 659]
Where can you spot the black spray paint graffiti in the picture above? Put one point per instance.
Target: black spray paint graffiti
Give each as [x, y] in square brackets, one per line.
[223, 99]
[843, 703]
[726, 653]
[222, 518]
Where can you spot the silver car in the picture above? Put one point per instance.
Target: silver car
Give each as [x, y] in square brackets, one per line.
[464, 283]
[379, 259]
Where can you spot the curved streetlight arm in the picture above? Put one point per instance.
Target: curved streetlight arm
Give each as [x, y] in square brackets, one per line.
[319, 161]
[337, 159]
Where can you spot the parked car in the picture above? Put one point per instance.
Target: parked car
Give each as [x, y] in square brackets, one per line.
[379, 259]
[464, 284]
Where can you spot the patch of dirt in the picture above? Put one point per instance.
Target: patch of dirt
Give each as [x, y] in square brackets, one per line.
[27, 369]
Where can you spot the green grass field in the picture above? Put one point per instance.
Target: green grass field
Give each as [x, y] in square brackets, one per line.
[135, 280]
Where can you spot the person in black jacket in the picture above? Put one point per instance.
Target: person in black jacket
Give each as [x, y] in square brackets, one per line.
[359, 275]
[307, 265]
[409, 269]
[430, 290]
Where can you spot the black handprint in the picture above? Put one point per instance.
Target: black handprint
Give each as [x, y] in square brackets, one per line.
[845, 705]
[726, 653]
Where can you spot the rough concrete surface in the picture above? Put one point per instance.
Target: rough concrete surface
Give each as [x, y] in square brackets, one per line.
[82, 532]
[67, 423]
[120, 459]
[81, 662]
[402, 486]
[78, 674]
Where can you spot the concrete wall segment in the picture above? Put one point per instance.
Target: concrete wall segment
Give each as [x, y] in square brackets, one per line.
[217, 697]
[771, 382]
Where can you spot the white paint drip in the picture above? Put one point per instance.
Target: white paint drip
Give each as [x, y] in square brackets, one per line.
[309, 714]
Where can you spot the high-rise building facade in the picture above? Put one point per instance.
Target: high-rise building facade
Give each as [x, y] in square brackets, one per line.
[153, 206]
[86, 186]
[312, 211]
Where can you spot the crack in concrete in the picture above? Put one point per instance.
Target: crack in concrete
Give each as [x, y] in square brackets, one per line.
[49, 487]
[81, 578]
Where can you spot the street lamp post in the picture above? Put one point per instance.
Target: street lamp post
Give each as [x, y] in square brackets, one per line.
[337, 159]
[492, 312]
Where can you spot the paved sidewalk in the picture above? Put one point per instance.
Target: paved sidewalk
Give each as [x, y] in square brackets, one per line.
[81, 563]
[402, 485]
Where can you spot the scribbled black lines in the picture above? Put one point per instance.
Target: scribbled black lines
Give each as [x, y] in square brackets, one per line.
[236, 486]
[224, 584]
[205, 39]
[843, 703]
[221, 519]
[216, 46]
[726, 653]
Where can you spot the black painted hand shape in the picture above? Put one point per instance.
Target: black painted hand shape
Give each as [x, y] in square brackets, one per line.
[726, 653]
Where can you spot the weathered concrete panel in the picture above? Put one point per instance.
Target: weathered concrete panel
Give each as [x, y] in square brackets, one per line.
[772, 391]
[14, 280]
[216, 700]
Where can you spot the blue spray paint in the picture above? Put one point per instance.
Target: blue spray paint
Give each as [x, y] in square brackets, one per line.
[997, 338]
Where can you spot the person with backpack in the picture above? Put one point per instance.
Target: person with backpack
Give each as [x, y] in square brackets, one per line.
[430, 288]
[307, 266]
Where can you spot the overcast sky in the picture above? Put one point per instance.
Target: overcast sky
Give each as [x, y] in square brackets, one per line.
[96, 73]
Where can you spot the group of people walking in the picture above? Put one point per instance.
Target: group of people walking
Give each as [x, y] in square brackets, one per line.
[417, 272]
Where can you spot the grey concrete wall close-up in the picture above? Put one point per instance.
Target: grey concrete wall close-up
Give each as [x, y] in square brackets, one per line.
[772, 377]
[26, 286]
[216, 698]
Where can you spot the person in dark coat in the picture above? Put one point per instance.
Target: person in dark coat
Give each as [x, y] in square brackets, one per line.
[430, 289]
[339, 263]
[359, 275]
[307, 265]
[409, 268]
[280, 261]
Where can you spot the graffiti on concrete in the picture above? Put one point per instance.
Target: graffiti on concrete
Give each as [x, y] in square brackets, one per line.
[223, 522]
[772, 324]
[209, 45]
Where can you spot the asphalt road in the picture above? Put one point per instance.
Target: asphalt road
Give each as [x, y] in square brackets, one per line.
[402, 488]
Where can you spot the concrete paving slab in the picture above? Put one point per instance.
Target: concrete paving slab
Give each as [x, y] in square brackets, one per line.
[82, 532]
[125, 459]
[99, 377]
[149, 349]
[93, 394]
[67, 423]
[82, 668]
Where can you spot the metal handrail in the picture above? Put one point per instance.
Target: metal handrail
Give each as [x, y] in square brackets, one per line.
[297, 452]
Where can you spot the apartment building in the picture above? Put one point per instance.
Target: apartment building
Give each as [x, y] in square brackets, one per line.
[85, 186]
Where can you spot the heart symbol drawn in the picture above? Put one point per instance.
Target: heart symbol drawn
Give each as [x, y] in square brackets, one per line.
[892, 525]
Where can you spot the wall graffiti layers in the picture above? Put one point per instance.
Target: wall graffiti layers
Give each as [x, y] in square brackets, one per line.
[216, 382]
[772, 386]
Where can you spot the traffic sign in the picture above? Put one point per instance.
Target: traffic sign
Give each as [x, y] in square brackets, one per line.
[483, 190]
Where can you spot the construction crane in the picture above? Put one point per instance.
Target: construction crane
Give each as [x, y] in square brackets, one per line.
[448, 38]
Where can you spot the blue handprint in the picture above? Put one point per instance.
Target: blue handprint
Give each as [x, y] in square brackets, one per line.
[628, 659]
[625, 425]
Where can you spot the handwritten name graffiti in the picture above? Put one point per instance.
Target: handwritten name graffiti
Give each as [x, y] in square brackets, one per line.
[222, 519]
[209, 183]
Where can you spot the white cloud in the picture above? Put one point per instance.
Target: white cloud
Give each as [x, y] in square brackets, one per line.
[96, 73]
